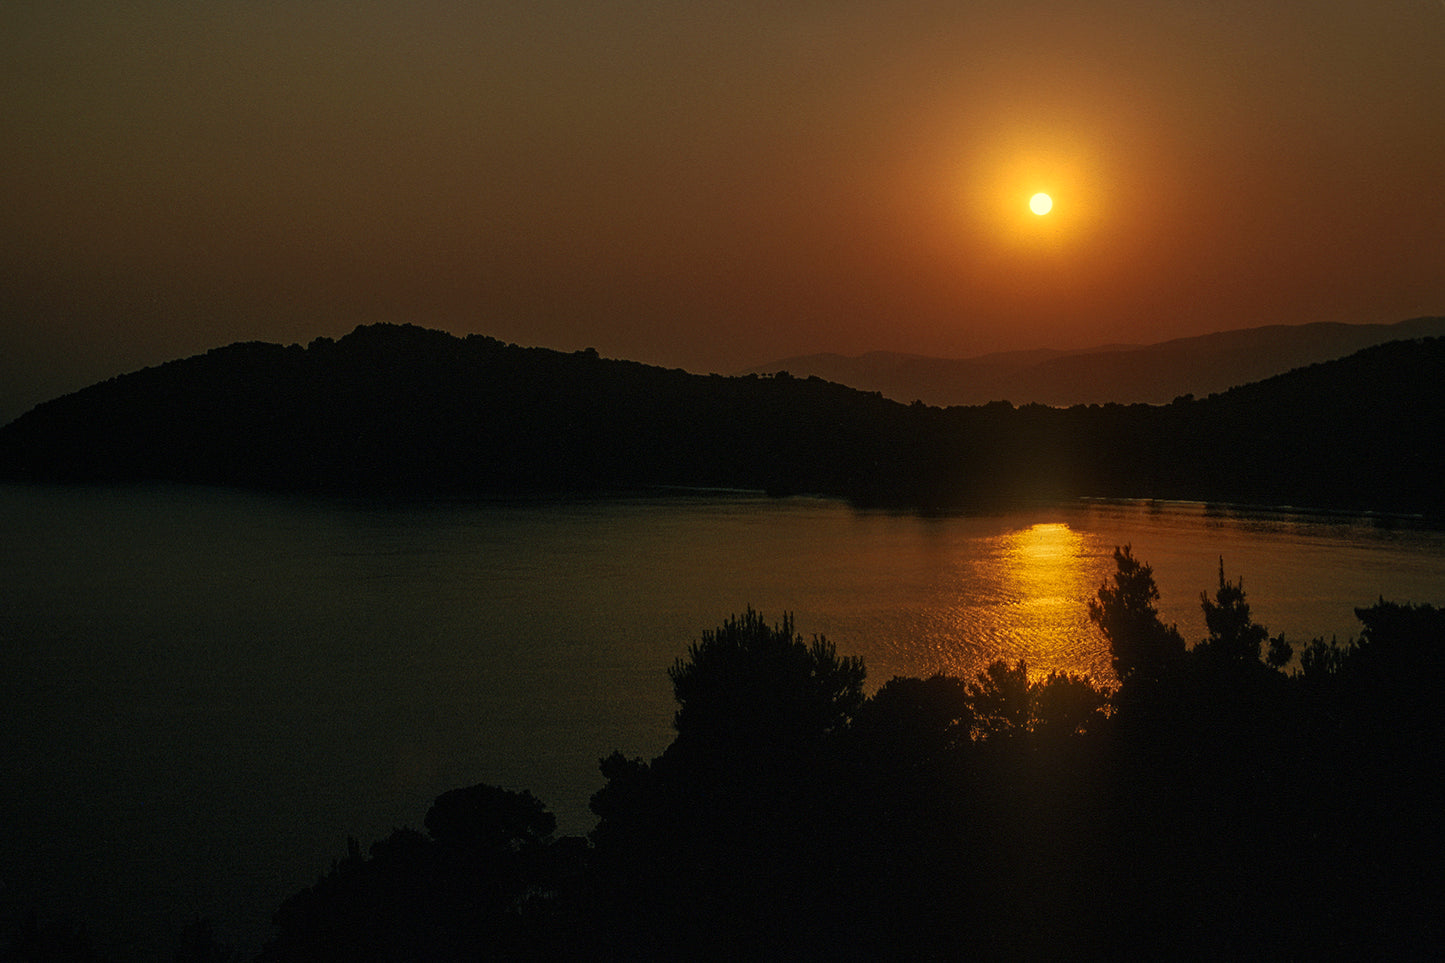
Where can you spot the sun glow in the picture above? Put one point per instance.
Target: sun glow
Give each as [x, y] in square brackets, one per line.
[1012, 188]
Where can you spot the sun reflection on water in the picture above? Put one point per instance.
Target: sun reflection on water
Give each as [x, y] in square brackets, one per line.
[1045, 563]
[1026, 598]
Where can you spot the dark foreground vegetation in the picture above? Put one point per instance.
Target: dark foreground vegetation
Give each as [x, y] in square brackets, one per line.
[1211, 806]
[403, 411]
[1243, 798]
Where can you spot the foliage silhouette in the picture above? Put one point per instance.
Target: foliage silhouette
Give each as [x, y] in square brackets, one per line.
[488, 822]
[483, 882]
[1321, 659]
[1143, 647]
[1216, 807]
[1233, 634]
[1000, 701]
[1400, 642]
[920, 719]
[747, 684]
[1004, 704]
[736, 796]
[1394, 671]
[1065, 704]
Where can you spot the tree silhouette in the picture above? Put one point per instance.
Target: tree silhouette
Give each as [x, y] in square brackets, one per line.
[1005, 704]
[475, 887]
[1065, 704]
[488, 821]
[917, 718]
[1320, 659]
[1143, 647]
[1408, 638]
[1000, 701]
[734, 798]
[1396, 667]
[1234, 637]
[1280, 652]
[748, 685]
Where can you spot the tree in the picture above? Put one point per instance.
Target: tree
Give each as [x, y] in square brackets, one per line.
[917, 718]
[748, 685]
[1143, 647]
[488, 821]
[1280, 652]
[1065, 704]
[1320, 659]
[1234, 637]
[1000, 699]
[1400, 655]
[1006, 704]
[1411, 637]
[475, 887]
[737, 797]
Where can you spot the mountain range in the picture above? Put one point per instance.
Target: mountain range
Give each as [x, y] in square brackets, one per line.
[402, 411]
[1121, 373]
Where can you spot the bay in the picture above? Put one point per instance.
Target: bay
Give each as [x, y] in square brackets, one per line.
[205, 692]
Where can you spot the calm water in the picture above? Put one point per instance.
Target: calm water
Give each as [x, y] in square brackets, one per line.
[205, 692]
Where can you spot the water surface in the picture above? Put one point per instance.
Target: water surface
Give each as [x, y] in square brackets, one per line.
[205, 692]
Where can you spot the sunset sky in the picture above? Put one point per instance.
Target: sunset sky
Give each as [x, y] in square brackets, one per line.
[708, 185]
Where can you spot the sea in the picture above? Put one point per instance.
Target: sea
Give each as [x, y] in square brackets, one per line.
[205, 692]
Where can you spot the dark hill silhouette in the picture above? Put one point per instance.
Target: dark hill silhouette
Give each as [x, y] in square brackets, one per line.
[1126, 374]
[1362, 431]
[400, 410]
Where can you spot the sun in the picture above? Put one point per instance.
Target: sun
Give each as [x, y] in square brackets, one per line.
[1041, 204]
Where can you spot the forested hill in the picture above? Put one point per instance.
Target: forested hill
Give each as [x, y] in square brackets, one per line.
[401, 410]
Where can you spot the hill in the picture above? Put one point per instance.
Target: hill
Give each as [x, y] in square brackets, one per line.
[1148, 374]
[403, 411]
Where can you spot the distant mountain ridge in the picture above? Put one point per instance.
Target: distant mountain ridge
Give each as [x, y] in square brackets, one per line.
[400, 411]
[1119, 373]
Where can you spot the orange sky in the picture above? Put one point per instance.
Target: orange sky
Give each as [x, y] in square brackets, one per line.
[709, 186]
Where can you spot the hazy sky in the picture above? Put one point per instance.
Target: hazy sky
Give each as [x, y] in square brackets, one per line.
[708, 185]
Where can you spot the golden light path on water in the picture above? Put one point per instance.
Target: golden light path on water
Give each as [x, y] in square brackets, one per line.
[1025, 596]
